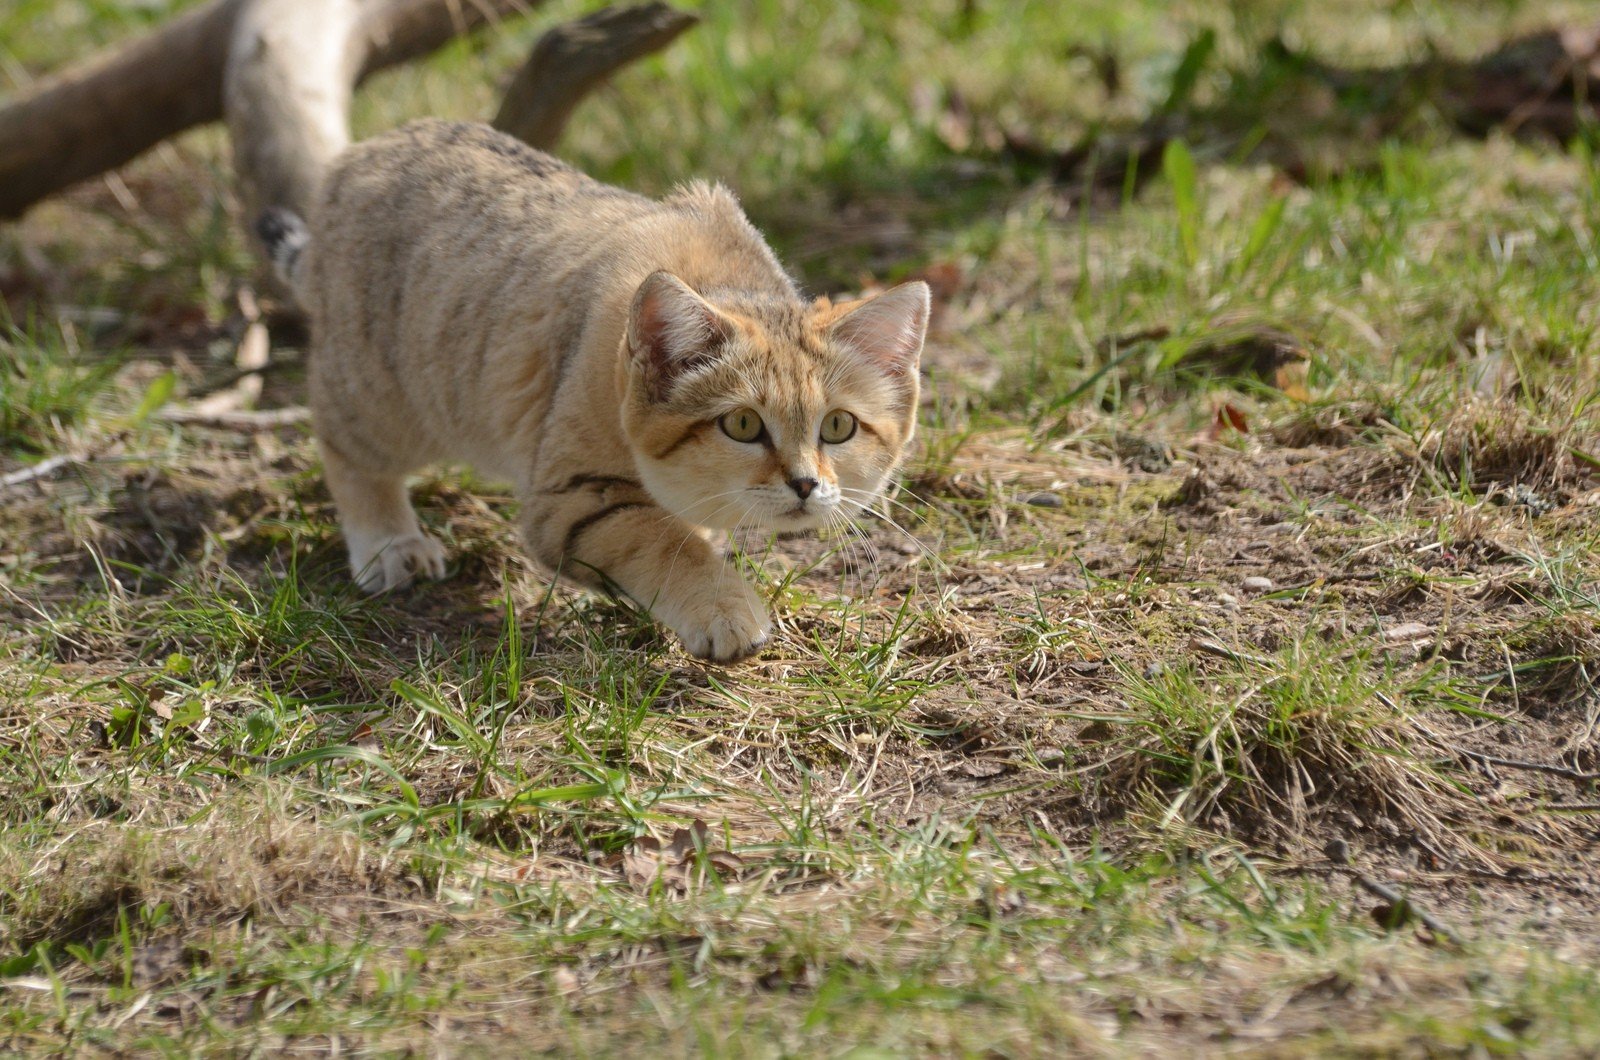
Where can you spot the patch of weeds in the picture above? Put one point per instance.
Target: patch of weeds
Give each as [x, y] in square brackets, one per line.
[1335, 424]
[46, 383]
[1483, 447]
[305, 644]
[233, 861]
[1256, 745]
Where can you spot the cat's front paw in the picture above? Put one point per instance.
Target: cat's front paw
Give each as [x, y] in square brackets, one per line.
[382, 566]
[728, 629]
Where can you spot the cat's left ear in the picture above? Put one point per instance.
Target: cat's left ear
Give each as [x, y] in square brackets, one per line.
[671, 329]
[888, 330]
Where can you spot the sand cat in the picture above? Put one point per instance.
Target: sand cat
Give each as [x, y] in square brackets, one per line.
[643, 373]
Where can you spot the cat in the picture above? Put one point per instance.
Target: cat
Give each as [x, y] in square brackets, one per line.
[644, 373]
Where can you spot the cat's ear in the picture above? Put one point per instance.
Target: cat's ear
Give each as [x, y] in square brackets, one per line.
[671, 330]
[888, 330]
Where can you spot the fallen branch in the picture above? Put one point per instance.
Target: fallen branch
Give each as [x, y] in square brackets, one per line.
[107, 110]
[293, 65]
[574, 58]
[240, 420]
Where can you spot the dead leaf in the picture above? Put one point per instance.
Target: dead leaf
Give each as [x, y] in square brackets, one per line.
[677, 864]
[364, 736]
[1228, 418]
[984, 768]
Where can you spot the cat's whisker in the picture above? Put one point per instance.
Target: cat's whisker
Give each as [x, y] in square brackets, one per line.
[858, 542]
[889, 520]
[723, 570]
[716, 515]
[880, 497]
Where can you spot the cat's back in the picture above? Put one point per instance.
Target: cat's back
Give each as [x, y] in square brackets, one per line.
[431, 178]
[440, 236]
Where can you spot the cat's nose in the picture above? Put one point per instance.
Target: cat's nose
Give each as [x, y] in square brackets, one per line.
[803, 486]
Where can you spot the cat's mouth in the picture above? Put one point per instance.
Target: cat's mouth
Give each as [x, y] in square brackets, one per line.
[797, 519]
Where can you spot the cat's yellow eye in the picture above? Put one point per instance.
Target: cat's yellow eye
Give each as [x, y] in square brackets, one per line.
[742, 425]
[838, 426]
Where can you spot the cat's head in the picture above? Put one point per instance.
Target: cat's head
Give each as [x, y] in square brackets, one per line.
[761, 411]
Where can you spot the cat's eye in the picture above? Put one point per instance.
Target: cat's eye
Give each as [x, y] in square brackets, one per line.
[742, 425]
[838, 426]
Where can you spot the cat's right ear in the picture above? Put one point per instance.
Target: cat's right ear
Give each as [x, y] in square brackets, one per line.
[671, 330]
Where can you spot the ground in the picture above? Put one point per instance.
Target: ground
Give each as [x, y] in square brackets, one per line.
[1218, 679]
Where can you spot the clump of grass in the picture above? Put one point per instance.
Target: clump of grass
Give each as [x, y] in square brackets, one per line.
[1258, 746]
[45, 385]
[302, 641]
[1333, 424]
[249, 857]
[1486, 445]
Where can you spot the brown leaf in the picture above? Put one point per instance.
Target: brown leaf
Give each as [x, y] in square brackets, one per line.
[641, 862]
[364, 736]
[685, 841]
[726, 861]
[676, 864]
[1228, 418]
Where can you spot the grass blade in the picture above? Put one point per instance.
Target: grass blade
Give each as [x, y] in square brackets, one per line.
[1177, 165]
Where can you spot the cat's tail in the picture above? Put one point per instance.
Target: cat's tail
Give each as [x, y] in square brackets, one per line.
[284, 235]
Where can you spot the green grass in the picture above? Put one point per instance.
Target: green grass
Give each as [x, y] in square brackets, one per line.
[45, 385]
[1030, 767]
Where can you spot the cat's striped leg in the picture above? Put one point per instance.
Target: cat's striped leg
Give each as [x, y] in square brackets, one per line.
[628, 543]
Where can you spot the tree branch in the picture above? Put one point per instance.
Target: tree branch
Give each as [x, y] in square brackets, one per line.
[574, 58]
[107, 110]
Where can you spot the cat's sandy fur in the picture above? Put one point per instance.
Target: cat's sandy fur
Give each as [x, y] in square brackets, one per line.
[475, 300]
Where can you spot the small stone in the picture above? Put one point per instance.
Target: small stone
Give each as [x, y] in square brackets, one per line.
[1406, 632]
[1228, 600]
[1256, 584]
[1522, 496]
[1043, 500]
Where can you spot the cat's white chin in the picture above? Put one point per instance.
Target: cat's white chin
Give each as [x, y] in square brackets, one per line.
[807, 518]
[792, 520]
[789, 521]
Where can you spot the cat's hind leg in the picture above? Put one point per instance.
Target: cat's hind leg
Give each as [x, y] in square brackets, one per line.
[387, 545]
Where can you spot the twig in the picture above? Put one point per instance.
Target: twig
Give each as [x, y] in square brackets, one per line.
[250, 360]
[1335, 578]
[1574, 807]
[1222, 651]
[1514, 763]
[1338, 852]
[42, 469]
[238, 420]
